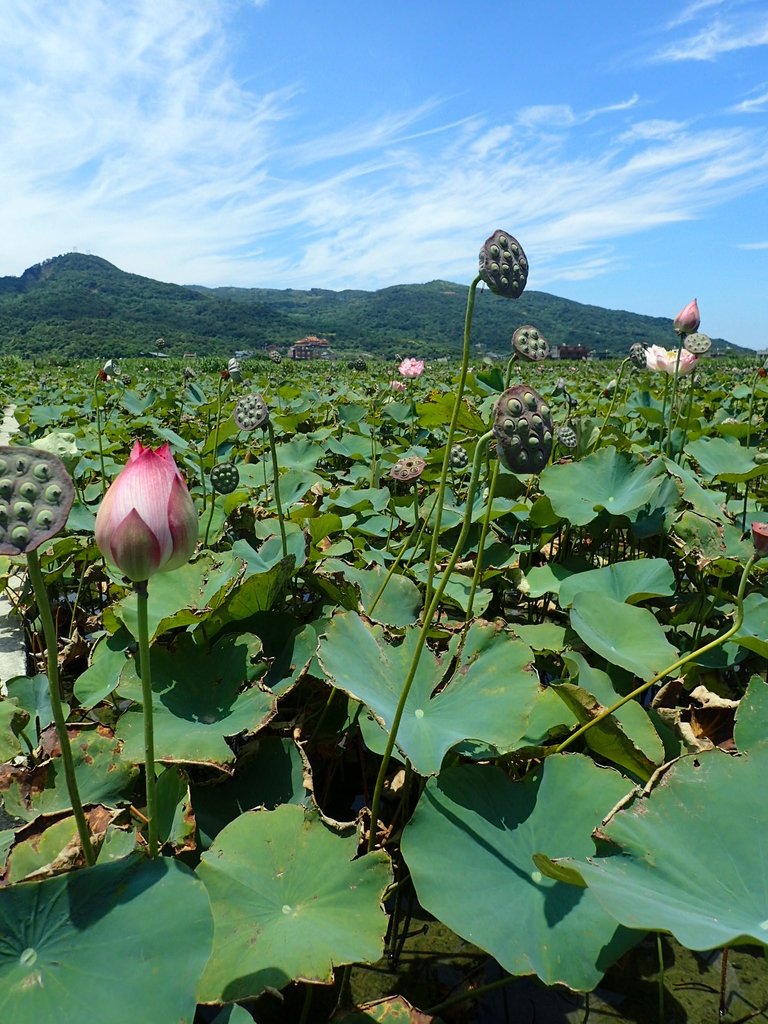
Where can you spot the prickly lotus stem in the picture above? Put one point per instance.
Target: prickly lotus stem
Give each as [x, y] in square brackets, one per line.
[251, 412]
[407, 469]
[522, 426]
[527, 342]
[36, 494]
[637, 355]
[697, 343]
[458, 458]
[503, 265]
[225, 477]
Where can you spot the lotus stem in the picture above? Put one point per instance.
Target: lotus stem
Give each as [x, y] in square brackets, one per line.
[608, 415]
[52, 657]
[717, 642]
[422, 639]
[145, 671]
[672, 400]
[276, 486]
[451, 432]
[98, 435]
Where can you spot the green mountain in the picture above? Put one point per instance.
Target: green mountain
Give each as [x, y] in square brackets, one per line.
[76, 306]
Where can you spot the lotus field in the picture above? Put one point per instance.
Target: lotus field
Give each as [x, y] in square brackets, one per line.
[322, 655]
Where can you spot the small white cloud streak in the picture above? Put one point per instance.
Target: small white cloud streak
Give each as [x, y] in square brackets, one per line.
[125, 135]
[741, 31]
[753, 245]
[753, 105]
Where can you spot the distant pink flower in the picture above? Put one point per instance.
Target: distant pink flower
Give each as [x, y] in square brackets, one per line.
[147, 522]
[661, 360]
[411, 367]
[687, 320]
[397, 385]
[760, 538]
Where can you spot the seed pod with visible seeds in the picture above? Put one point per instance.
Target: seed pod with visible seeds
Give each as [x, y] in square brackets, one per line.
[275, 357]
[37, 494]
[225, 477]
[503, 265]
[527, 342]
[637, 355]
[458, 459]
[566, 436]
[522, 425]
[251, 412]
[409, 468]
[697, 343]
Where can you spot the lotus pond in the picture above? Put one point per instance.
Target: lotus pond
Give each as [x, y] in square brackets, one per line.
[457, 712]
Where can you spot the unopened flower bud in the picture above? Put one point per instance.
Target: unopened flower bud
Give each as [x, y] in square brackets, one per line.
[687, 320]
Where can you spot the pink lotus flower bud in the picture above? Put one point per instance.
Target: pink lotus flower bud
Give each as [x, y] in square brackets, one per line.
[397, 385]
[760, 538]
[687, 320]
[147, 522]
[661, 360]
[411, 367]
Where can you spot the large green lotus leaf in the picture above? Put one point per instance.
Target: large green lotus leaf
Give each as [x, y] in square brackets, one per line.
[545, 579]
[630, 581]
[268, 776]
[107, 662]
[257, 593]
[233, 1014]
[613, 737]
[611, 480]
[181, 597]
[470, 848]
[753, 633]
[714, 545]
[489, 697]
[399, 604]
[198, 699]
[298, 454]
[707, 502]
[13, 720]
[290, 900]
[727, 460]
[33, 695]
[690, 857]
[103, 777]
[457, 590]
[81, 946]
[751, 725]
[623, 634]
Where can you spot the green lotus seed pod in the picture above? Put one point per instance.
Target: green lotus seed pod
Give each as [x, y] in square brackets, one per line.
[407, 469]
[523, 443]
[527, 342]
[251, 412]
[514, 406]
[458, 459]
[697, 343]
[37, 496]
[503, 265]
[567, 437]
[225, 477]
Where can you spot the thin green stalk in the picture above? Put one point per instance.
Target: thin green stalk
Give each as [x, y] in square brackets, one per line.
[451, 432]
[422, 638]
[145, 670]
[477, 575]
[672, 400]
[276, 486]
[717, 642]
[52, 657]
[98, 435]
[390, 572]
[608, 415]
[749, 440]
[663, 412]
[660, 953]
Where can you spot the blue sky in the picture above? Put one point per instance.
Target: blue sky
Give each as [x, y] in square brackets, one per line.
[328, 143]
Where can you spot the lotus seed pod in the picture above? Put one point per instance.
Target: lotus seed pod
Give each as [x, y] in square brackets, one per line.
[37, 494]
[409, 468]
[637, 355]
[522, 426]
[275, 357]
[234, 371]
[225, 477]
[566, 436]
[251, 412]
[503, 265]
[359, 364]
[458, 459]
[698, 343]
[527, 342]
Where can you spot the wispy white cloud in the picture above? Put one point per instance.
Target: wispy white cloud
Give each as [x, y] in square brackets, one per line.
[753, 105]
[124, 132]
[753, 245]
[692, 11]
[738, 28]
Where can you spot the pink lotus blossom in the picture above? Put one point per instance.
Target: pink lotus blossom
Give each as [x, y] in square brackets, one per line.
[687, 320]
[760, 538]
[664, 361]
[411, 367]
[147, 521]
[397, 385]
